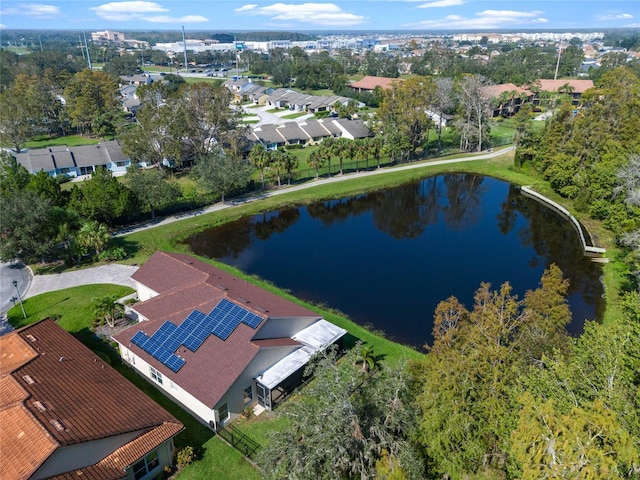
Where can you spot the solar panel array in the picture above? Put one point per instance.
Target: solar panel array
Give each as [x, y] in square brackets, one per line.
[193, 331]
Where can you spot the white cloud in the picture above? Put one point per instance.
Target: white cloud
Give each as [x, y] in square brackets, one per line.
[168, 19]
[245, 8]
[326, 14]
[487, 19]
[619, 16]
[442, 3]
[2, 25]
[36, 10]
[141, 10]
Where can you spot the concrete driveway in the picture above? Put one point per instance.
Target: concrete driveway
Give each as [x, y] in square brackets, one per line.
[31, 285]
[113, 273]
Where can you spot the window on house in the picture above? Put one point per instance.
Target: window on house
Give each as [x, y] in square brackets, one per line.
[248, 394]
[156, 375]
[121, 164]
[223, 412]
[145, 465]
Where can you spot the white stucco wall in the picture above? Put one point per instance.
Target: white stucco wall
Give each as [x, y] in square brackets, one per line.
[144, 292]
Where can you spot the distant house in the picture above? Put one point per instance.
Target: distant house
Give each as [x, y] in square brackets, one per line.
[572, 87]
[217, 344]
[244, 90]
[75, 161]
[136, 80]
[506, 98]
[130, 100]
[368, 84]
[307, 132]
[65, 413]
[441, 119]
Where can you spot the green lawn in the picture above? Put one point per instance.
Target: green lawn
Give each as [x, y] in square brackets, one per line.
[68, 141]
[73, 306]
[294, 115]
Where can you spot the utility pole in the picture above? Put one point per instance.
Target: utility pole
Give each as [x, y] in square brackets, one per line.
[86, 46]
[184, 42]
[555, 77]
[15, 284]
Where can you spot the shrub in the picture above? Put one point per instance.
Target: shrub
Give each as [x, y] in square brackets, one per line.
[185, 457]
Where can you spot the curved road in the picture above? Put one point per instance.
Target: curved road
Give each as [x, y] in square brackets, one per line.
[29, 285]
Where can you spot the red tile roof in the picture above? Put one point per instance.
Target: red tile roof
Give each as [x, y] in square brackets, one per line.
[492, 91]
[370, 83]
[579, 86]
[65, 395]
[206, 286]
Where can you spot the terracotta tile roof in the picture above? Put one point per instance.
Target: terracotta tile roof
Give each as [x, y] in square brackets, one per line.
[65, 395]
[11, 392]
[24, 443]
[369, 83]
[14, 352]
[493, 91]
[579, 86]
[113, 466]
[230, 356]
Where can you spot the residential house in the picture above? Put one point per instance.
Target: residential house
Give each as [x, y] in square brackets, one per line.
[368, 84]
[215, 343]
[130, 100]
[442, 119]
[301, 102]
[75, 161]
[136, 80]
[306, 132]
[65, 413]
[244, 90]
[572, 87]
[506, 98]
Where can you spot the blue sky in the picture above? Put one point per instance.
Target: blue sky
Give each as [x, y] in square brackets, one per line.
[321, 15]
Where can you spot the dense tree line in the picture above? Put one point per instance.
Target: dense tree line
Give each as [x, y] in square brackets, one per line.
[590, 155]
[503, 393]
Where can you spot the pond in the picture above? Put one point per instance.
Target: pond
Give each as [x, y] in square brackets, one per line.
[387, 258]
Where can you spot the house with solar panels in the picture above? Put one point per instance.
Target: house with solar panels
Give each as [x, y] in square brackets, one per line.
[217, 344]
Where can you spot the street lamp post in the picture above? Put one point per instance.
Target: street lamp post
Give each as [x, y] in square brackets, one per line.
[15, 284]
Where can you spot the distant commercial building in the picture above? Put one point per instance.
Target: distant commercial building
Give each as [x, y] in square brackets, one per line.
[107, 36]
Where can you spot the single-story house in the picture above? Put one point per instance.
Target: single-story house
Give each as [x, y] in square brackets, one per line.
[215, 343]
[310, 131]
[245, 90]
[369, 84]
[75, 161]
[65, 413]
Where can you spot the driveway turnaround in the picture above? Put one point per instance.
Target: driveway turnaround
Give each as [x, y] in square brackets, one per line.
[112, 273]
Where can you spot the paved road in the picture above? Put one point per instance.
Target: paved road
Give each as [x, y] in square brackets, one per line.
[266, 118]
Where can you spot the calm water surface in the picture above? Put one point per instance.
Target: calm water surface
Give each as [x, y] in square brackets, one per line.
[387, 258]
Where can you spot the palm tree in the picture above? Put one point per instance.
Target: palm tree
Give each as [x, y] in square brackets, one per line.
[261, 158]
[316, 160]
[93, 236]
[289, 162]
[106, 308]
[366, 358]
[326, 150]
